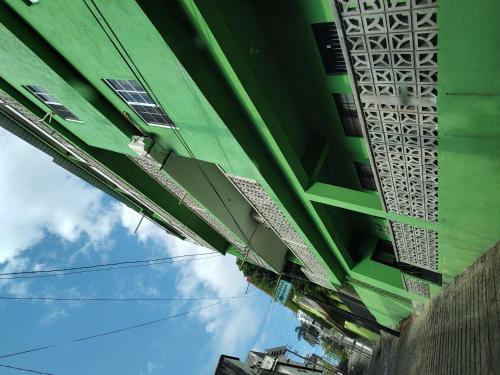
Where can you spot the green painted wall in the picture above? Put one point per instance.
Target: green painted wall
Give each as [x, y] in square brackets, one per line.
[469, 131]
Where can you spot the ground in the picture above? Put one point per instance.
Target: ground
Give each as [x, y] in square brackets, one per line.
[456, 333]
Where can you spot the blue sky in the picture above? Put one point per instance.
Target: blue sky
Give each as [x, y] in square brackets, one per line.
[51, 219]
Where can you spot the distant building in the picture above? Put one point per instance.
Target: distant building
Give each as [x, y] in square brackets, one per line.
[304, 318]
[254, 359]
[233, 366]
[293, 369]
[267, 359]
[316, 361]
[278, 352]
[272, 361]
[315, 330]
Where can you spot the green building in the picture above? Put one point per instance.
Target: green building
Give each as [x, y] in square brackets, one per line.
[359, 139]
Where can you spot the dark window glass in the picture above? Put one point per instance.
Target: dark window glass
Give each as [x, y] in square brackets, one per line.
[384, 253]
[365, 176]
[329, 47]
[348, 114]
[421, 273]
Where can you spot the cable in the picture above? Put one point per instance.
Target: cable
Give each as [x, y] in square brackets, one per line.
[109, 268]
[261, 326]
[106, 264]
[352, 301]
[108, 333]
[25, 370]
[110, 299]
[306, 359]
[144, 82]
[266, 315]
[190, 84]
[248, 250]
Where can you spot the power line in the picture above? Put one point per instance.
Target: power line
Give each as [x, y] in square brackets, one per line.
[106, 264]
[261, 326]
[107, 299]
[25, 370]
[352, 301]
[269, 308]
[306, 359]
[140, 78]
[190, 84]
[108, 333]
[107, 268]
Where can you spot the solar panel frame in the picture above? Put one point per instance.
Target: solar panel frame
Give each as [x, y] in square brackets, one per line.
[57, 107]
[138, 99]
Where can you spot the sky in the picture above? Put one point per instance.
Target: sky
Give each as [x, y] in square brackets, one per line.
[52, 219]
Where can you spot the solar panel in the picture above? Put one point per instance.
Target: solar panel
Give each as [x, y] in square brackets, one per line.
[140, 101]
[51, 102]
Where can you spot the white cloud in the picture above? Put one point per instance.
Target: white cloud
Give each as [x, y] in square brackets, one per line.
[153, 368]
[19, 289]
[142, 288]
[14, 265]
[231, 324]
[54, 314]
[39, 197]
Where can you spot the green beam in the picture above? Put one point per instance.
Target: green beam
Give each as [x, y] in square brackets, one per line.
[360, 201]
[235, 66]
[315, 159]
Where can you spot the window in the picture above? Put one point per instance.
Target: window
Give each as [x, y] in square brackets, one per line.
[384, 253]
[52, 103]
[328, 43]
[365, 176]
[139, 100]
[421, 273]
[348, 114]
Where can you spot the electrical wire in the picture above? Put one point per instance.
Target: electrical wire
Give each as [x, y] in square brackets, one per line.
[261, 326]
[269, 309]
[109, 268]
[108, 299]
[140, 78]
[124, 329]
[26, 370]
[352, 301]
[190, 84]
[105, 264]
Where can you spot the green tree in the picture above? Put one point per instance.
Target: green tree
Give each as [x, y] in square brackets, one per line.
[259, 276]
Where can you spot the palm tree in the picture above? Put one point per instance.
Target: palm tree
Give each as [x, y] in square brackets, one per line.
[307, 332]
[302, 331]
